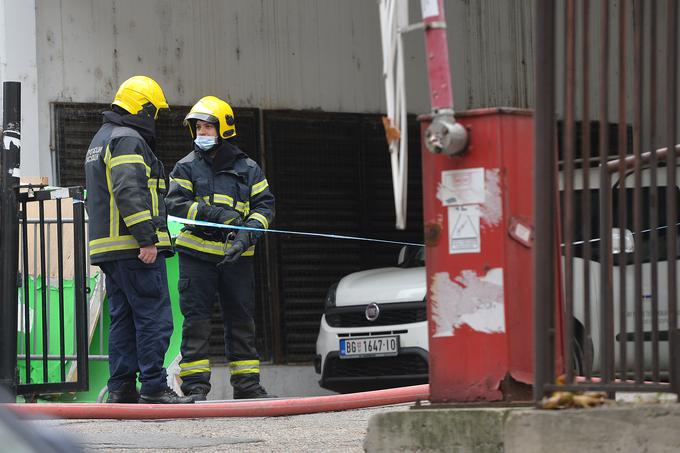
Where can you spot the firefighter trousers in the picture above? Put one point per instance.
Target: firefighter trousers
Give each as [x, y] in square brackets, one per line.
[199, 282]
[141, 322]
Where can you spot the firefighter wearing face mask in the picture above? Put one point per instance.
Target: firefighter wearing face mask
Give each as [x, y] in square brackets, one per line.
[129, 241]
[218, 183]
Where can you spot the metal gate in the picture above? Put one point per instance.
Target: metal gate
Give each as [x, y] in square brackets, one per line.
[52, 328]
[607, 205]
[33, 295]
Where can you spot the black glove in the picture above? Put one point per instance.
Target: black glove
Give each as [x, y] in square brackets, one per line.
[241, 243]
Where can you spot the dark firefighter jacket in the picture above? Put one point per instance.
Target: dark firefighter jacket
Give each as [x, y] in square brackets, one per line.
[229, 189]
[125, 192]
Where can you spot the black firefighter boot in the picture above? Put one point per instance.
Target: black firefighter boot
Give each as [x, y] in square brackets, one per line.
[167, 396]
[126, 393]
[247, 386]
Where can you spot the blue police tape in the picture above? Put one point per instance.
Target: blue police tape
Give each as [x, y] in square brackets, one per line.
[299, 233]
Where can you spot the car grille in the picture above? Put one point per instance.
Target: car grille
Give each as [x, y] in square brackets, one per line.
[401, 365]
[390, 314]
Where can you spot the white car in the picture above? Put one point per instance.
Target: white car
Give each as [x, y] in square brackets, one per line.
[623, 264]
[373, 333]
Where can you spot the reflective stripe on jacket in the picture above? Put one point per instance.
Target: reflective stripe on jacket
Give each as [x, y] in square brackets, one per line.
[201, 189]
[125, 195]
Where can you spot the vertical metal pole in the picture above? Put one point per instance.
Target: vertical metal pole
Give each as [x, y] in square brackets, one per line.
[587, 212]
[606, 314]
[437, 55]
[638, 74]
[568, 209]
[671, 200]
[622, 192]
[27, 292]
[654, 196]
[43, 292]
[79, 289]
[9, 234]
[544, 198]
[60, 276]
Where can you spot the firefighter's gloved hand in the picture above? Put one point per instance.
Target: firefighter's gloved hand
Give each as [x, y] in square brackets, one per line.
[241, 243]
[234, 252]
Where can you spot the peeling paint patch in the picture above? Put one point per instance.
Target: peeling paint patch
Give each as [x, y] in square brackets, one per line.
[492, 209]
[469, 299]
[473, 186]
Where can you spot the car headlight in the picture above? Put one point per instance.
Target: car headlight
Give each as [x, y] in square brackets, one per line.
[330, 296]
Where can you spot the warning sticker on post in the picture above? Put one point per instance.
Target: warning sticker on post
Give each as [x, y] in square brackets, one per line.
[464, 230]
[459, 187]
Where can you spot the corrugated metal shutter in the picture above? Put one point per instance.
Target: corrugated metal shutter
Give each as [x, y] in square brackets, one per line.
[76, 124]
[330, 174]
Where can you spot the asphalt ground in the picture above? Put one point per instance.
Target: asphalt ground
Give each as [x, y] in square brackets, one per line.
[342, 431]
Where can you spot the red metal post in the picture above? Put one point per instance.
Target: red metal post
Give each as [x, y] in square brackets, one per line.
[479, 233]
[478, 211]
[441, 94]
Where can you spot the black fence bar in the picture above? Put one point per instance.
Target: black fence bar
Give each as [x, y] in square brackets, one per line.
[623, 210]
[638, 23]
[60, 277]
[544, 198]
[654, 198]
[606, 311]
[619, 386]
[9, 235]
[671, 207]
[624, 220]
[568, 208]
[43, 291]
[80, 287]
[586, 212]
[26, 288]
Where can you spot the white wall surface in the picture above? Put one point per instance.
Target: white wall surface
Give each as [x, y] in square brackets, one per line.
[18, 63]
[270, 54]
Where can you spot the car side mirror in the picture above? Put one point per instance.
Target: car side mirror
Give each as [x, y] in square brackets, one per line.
[402, 256]
[629, 241]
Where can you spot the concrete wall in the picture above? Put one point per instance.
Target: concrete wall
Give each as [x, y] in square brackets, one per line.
[296, 54]
[18, 62]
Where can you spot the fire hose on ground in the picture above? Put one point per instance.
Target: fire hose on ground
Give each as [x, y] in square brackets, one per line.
[234, 408]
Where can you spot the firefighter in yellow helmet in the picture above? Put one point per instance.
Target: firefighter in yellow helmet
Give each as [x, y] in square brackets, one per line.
[216, 182]
[129, 241]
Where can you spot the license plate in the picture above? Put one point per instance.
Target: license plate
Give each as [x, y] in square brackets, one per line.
[352, 348]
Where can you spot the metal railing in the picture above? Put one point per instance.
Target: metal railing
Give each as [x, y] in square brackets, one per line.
[616, 197]
[36, 355]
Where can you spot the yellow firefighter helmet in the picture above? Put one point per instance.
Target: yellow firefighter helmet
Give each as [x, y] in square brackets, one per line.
[138, 91]
[213, 110]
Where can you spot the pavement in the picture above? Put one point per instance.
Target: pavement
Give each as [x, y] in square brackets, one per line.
[328, 432]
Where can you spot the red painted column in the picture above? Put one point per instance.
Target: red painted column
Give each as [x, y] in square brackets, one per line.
[436, 45]
[478, 230]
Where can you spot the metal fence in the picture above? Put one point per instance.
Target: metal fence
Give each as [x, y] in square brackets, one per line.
[52, 251]
[606, 204]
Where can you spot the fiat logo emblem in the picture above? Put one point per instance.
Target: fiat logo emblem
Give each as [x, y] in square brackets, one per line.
[372, 312]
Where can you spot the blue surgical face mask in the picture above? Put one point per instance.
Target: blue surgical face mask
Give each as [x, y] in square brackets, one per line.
[205, 142]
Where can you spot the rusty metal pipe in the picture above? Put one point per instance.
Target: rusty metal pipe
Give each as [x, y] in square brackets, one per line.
[623, 207]
[568, 208]
[544, 199]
